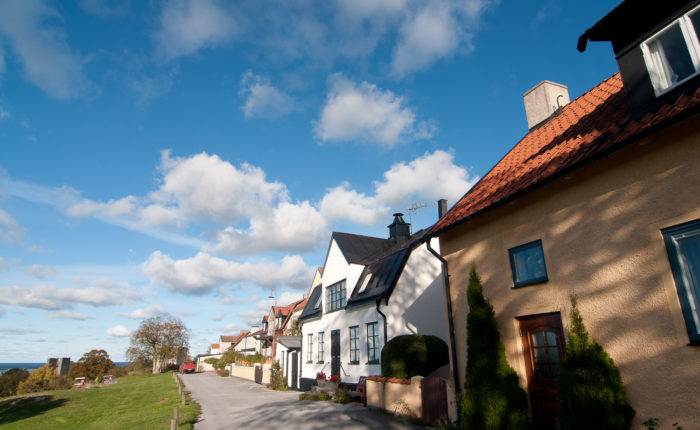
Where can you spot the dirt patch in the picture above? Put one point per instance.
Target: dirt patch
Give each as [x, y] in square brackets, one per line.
[163, 400]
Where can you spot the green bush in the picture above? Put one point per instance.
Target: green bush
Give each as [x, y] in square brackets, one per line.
[410, 355]
[10, 380]
[590, 388]
[277, 380]
[493, 398]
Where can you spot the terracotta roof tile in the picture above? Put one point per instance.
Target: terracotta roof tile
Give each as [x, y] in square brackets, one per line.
[591, 124]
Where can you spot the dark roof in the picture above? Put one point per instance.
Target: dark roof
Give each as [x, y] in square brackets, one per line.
[360, 249]
[384, 271]
[310, 310]
[589, 127]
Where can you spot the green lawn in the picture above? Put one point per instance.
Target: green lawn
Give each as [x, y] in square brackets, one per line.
[135, 402]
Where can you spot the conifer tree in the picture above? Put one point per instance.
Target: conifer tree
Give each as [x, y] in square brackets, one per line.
[493, 398]
[590, 389]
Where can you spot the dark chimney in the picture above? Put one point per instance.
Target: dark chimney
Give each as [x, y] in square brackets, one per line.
[399, 230]
[442, 208]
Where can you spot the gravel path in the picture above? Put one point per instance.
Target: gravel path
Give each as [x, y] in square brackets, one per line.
[234, 403]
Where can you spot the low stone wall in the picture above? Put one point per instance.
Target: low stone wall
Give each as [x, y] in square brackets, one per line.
[248, 373]
[398, 396]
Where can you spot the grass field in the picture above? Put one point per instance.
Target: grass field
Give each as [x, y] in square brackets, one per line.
[135, 402]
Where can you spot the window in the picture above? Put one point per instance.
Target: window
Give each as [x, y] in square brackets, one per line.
[372, 343]
[320, 347]
[309, 348]
[335, 296]
[683, 247]
[355, 345]
[527, 263]
[672, 55]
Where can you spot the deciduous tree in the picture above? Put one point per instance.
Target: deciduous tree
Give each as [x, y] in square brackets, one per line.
[91, 364]
[158, 339]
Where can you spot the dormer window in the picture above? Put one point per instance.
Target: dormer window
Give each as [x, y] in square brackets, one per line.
[672, 55]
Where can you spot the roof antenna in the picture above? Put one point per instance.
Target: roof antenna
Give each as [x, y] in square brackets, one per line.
[413, 208]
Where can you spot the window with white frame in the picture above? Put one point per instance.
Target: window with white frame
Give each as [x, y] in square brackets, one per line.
[372, 343]
[336, 296]
[309, 347]
[683, 247]
[354, 345]
[672, 55]
[320, 347]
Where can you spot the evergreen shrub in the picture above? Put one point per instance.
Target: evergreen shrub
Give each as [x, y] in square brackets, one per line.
[493, 398]
[410, 355]
[590, 388]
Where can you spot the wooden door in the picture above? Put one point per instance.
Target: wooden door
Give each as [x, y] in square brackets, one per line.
[434, 400]
[543, 346]
[335, 352]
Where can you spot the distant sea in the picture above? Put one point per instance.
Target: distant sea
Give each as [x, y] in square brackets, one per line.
[34, 366]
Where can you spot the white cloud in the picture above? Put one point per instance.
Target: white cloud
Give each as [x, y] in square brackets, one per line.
[253, 317]
[102, 292]
[342, 202]
[18, 331]
[30, 28]
[66, 315]
[186, 26]
[11, 233]
[40, 272]
[184, 314]
[3, 113]
[218, 317]
[119, 331]
[291, 227]
[144, 313]
[430, 177]
[367, 113]
[203, 272]
[103, 8]
[6, 264]
[263, 99]
[38, 339]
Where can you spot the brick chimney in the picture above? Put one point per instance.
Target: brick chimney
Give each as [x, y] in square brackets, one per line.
[543, 100]
[399, 230]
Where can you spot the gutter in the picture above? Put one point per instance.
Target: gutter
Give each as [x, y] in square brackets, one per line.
[379, 300]
[450, 322]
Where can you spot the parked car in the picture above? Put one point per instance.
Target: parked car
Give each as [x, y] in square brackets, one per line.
[187, 367]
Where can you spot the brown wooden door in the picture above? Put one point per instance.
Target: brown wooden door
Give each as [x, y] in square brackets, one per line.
[543, 346]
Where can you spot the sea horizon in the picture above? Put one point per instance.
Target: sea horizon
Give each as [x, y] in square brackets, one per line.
[36, 365]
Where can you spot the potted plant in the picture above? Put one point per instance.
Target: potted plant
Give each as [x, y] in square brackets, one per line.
[320, 376]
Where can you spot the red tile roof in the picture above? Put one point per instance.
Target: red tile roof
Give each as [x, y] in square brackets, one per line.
[227, 338]
[214, 346]
[594, 123]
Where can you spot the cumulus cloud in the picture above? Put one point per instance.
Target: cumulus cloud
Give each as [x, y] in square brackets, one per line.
[253, 317]
[262, 99]
[144, 313]
[119, 331]
[186, 26]
[430, 177]
[218, 317]
[367, 113]
[204, 272]
[40, 272]
[102, 292]
[341, 202]
[11, 233]
[290, 227]
[66, 315]
[40, 45]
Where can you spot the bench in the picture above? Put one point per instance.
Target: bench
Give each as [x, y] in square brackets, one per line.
[360, 390]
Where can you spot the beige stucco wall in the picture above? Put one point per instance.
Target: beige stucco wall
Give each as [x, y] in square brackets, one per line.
[248, 373]
[400, 399]
[600, 230]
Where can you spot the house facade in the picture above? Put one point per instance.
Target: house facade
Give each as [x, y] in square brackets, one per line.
[598, 199]
[372, 290]
[249, 342]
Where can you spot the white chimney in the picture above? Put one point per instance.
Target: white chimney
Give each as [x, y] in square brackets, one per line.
[543, 100]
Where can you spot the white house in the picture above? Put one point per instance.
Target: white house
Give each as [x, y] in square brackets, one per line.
[372, 290]
[288, 355]
[249, 343]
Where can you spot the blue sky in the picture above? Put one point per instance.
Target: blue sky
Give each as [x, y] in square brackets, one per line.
[191, 157]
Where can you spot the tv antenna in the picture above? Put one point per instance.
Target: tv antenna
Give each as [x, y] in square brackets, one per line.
[415, 206]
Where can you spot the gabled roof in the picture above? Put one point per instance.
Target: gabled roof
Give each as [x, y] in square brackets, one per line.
[359, 249]
[384, 271]
[214, 346]
[589, 127]
[227, 338]
[311, 310]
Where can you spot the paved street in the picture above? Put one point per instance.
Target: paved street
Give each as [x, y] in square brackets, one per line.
[233, 403]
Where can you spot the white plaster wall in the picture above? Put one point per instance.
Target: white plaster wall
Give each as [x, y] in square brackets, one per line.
[417, 304]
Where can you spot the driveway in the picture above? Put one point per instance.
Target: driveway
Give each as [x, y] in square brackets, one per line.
[234, 403]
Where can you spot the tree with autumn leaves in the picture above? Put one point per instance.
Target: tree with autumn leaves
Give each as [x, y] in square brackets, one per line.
[158, 339]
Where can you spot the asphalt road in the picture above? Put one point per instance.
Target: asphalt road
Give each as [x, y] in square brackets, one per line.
[234, 403]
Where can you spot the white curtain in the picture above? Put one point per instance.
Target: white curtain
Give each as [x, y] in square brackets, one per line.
[661, 71]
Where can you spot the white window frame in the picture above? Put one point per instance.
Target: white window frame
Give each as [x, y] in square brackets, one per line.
[320, 347]
[310, 346]
[692, 43]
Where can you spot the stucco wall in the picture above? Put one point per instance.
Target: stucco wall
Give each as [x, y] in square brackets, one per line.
[600, 230]
[397, 398]
[248, 373]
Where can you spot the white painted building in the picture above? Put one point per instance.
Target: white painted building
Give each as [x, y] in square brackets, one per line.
[288, 355]
[372, 290]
